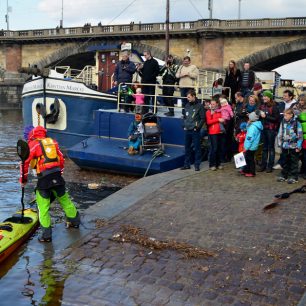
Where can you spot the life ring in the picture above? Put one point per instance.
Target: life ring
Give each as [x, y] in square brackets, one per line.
[55, 111]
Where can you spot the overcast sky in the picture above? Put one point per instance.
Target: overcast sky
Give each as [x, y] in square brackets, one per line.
[36, 14]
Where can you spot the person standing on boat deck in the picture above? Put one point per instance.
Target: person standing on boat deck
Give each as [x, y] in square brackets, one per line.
[148, 71]
[232, 80]
[247, 80]
[124, 71]
[168, 72]
[48, 161]
[187, 75]
[194, 120]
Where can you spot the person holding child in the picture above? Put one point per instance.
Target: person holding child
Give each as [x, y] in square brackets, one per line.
[228, 115]
[290, 138]
[214, 122]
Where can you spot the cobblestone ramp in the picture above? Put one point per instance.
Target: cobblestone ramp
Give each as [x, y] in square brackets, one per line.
[260, 256]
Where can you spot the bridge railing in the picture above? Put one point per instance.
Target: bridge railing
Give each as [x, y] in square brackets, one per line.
[186, 26]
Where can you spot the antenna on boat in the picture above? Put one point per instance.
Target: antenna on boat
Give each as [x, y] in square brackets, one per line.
[167, 27]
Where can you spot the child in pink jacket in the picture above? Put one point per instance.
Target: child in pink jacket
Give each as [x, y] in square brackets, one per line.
[139, 100]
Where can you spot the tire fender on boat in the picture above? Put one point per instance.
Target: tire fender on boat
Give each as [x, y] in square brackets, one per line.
[55, 111]
[51, 117]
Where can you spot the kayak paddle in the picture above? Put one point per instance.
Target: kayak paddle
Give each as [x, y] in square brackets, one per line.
[23, 152]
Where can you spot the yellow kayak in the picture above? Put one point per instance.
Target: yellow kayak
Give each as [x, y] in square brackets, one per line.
[15, 230]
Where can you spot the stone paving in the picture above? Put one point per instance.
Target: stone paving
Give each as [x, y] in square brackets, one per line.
[260, 256]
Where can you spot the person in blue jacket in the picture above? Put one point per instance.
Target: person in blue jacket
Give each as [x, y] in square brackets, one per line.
[254, 129]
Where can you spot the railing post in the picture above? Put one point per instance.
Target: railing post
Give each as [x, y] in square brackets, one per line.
[155, 99]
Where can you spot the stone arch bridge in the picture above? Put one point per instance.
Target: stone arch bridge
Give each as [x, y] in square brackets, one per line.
[265, 43]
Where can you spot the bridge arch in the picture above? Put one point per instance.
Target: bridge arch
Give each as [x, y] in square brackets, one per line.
[276, 56]
[59, 55]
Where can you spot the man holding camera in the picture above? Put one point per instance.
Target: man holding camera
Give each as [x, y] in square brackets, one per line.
[167, 73]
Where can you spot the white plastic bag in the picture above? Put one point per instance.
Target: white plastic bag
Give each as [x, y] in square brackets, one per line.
[239, 160]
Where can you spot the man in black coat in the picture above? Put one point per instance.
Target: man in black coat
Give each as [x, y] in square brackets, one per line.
[148, 72]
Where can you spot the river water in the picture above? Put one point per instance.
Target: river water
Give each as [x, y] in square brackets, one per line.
[31, 275]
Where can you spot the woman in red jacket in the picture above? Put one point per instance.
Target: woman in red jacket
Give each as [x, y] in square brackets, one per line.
[214, 121]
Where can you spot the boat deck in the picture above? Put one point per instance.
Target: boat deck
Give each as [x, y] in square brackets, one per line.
[111, 155]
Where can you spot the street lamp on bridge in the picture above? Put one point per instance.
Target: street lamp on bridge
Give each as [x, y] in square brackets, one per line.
[62, 15]
[239, 9]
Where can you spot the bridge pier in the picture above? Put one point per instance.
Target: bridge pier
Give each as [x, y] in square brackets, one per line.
[212, 53]
[13, 57]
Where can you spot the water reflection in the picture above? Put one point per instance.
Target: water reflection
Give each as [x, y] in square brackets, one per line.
[32, 275]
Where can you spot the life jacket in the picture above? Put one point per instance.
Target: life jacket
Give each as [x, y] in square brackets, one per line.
[49, 158]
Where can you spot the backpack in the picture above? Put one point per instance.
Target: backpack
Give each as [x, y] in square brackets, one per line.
[49, 150]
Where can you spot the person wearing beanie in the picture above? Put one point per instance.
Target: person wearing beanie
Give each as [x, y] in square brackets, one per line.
[253, 116]
[254, 129]
[257, 87]
[257, 92]
[134, 135]
[270, 118]
[268, 93]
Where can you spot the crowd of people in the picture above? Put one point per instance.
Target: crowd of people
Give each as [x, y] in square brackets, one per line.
[241, 116]
[255, 124]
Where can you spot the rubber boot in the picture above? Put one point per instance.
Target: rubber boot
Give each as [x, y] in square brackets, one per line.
[73, 222]
[45, 235]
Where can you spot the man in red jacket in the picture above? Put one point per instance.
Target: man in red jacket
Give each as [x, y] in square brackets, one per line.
[48, 161]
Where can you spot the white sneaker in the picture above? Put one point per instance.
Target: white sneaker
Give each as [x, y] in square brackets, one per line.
[277, 167]
[220, 167]
[213, 168]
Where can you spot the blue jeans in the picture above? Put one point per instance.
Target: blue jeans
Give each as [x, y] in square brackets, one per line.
[192, 138]
[303, 162]
[268, 151]
[215, 150]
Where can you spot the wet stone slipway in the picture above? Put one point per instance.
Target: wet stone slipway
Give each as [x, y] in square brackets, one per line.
[259, 256]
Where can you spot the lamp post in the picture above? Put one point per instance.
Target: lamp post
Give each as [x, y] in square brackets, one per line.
[62, 15]
[239, 9]
[167, 27]
[8, 9]
[210, 8]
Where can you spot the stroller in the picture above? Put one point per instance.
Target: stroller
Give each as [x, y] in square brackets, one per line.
[151, 136]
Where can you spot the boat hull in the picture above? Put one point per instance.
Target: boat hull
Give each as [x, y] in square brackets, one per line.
[110, 155]
[77, 105]
[11, 239]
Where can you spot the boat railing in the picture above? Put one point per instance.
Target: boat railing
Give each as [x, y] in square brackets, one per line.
[84, 75]
[202, 92]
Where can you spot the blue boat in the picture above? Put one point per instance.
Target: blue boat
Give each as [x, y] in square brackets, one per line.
[86, 121]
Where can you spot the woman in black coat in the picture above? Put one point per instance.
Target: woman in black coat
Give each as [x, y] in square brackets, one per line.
[232, 79]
